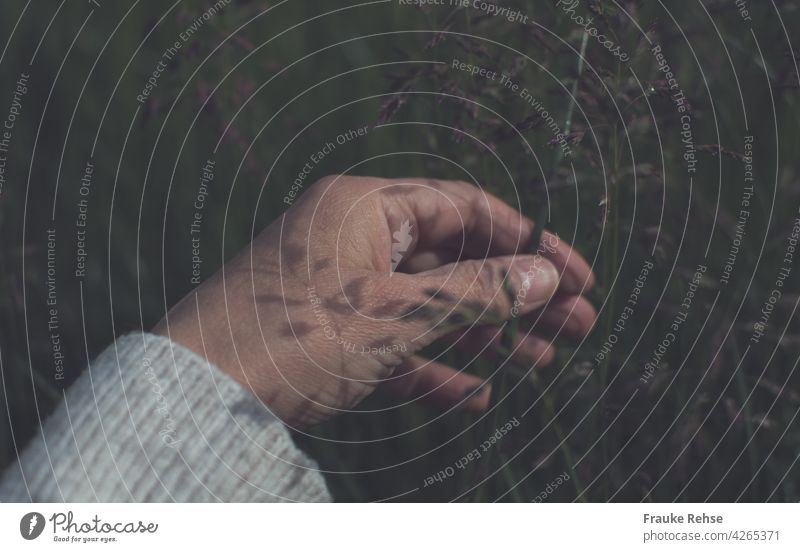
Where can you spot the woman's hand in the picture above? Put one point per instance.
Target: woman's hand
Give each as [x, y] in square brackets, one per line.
[337, 296]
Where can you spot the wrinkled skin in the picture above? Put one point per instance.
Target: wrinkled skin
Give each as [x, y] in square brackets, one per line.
[311, 317]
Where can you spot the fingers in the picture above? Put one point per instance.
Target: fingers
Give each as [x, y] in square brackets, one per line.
[464, 218]
[504, 286]
[577, 275]
[529, 350]
[420, 261]
[438, 385]
[534, 350]
[444, 387]
[570, 316]
[490, 290]
[455, 214]
[507, 286]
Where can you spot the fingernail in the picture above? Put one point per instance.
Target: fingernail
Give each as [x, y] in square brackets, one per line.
[537, 281]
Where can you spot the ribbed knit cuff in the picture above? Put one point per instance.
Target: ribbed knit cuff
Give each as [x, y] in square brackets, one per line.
[152, 421]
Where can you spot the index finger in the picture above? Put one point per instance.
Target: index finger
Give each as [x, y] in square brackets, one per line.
[455, 214]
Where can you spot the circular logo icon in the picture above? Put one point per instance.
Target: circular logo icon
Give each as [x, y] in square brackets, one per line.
[31, 525]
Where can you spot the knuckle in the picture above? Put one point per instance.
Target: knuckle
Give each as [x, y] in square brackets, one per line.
[344, 185]
[330, 180]
[484, 280]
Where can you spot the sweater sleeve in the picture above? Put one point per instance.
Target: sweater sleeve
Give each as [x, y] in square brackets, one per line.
[151, 421]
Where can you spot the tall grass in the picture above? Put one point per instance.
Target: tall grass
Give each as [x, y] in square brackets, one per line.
[716, 422]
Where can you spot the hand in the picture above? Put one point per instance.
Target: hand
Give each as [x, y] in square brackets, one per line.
[337, 296]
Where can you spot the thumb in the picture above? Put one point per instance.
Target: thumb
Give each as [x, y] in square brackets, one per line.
[492, 290]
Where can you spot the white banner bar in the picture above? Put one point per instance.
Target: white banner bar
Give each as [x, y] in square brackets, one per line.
[401, 527]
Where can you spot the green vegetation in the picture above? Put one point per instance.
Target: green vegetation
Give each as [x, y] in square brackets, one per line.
[648, 182]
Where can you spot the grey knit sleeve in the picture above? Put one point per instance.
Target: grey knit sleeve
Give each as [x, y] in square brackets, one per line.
[152, 421]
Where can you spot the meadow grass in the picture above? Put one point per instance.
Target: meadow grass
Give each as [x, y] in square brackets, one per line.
[717, 419]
